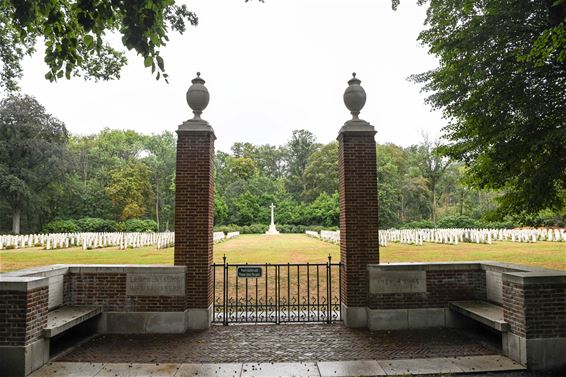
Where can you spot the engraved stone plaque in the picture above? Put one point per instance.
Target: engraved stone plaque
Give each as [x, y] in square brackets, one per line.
[397, 281]
[148, 284]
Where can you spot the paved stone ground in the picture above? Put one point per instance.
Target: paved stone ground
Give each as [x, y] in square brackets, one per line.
[279, 343]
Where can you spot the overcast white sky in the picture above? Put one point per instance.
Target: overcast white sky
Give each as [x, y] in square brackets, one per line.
[270, 68]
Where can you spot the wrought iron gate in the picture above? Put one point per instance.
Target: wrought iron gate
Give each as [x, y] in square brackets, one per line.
[276, 293]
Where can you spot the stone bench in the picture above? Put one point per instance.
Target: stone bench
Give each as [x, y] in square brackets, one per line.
[484, 312]
[66, 317]
[488, 314]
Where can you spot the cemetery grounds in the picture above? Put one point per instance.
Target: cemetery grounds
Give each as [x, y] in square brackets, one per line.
[297, 248]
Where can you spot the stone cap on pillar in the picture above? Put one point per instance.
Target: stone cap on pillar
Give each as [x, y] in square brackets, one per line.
[355, 99]
[197, 98]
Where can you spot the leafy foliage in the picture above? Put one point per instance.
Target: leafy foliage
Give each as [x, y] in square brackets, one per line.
[459, 221]
[137, 225]
[300, 147]
[418, 224]
[75, 35]
[32, 153]
[129, 187]
[91, 224]
[87, 224]
[103, 179]
[61, 226]
[501, 84]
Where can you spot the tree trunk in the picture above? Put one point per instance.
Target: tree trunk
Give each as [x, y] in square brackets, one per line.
[157, 205]
[402, 215]
[461, 202]
[434, 204]
[16, 220]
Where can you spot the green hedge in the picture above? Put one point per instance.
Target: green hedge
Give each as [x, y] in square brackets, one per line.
[459, 222]
[422, 224]
[61, 226]
[92, 224]
[136, 225]
[261, 228]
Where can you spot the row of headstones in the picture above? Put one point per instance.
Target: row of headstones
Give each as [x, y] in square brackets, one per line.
[334, 236]
[232, 235]
[220, 236]
[312, 233]
[455, 236]
[88, 241]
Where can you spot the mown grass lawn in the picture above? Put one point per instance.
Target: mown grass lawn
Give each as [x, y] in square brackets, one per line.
[296, 248]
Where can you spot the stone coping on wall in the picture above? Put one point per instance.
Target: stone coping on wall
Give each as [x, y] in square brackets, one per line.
[43, 271]
[425, 266]
[62, 269]
[534, 278]
[474, 265]
[22, 284]
[125, 268]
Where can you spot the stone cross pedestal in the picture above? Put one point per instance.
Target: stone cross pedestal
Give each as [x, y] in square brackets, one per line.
[272, 229]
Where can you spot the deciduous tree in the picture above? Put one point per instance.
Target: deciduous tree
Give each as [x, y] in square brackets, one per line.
[75, 35]
[32, 153]
[501, 84]
[130, 189]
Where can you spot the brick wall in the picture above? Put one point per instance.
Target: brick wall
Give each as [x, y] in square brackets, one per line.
[194, 214]
[23, 315]
[513, 307]
[109, 291]
[67, 289]
[442, 287]
[359, 244]
[535, 310]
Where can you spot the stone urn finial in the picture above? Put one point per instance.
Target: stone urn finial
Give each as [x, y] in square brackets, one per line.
[354, 97]
[197, 97]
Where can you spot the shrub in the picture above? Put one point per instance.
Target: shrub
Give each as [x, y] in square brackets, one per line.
[227, 228]
[261, 228]
[421, 224]
[137, 225]
[61, 226]
[91, 224]
[496, 224]
[253, 229]
[458, 221]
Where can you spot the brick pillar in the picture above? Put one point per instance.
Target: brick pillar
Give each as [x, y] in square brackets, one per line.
[359, 244]
[24, 303]
[534, 306]
[194, 208]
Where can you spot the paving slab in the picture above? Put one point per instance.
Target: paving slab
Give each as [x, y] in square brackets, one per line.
[419, 366]
[216, 370]
[138, 370]
[350, 368]
[491, 363]
[279, 370]
[68, 370]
